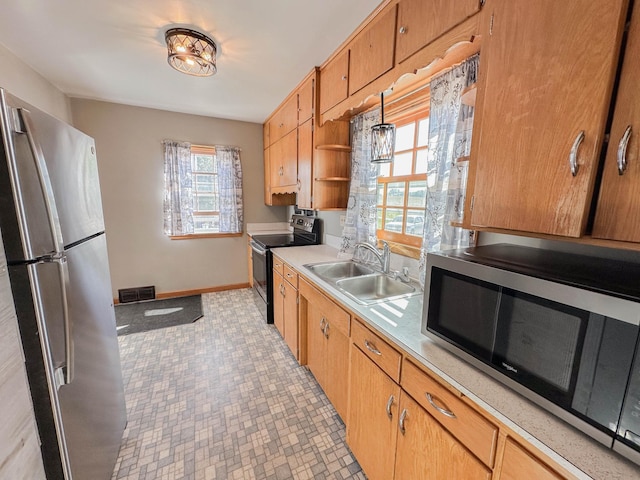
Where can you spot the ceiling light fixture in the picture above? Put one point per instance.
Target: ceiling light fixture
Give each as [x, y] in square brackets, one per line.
[383, 138]
[191, 52]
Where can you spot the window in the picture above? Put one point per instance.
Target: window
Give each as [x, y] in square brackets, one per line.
[206, 201]
[402, 184]
[203, 190]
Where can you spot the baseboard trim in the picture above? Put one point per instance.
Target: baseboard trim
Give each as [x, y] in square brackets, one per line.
[186, 293]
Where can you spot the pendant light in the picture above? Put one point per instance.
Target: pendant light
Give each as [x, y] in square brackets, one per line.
[383, 138]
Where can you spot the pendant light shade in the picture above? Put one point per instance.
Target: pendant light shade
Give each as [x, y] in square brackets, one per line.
[383, 138]
[191, 52]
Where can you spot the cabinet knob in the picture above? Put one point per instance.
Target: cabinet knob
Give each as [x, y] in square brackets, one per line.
[622, 151]
[403, 30]
[573, 156]
[344, 77]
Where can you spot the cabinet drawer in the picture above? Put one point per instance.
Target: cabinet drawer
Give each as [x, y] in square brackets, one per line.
[278, 265]
[377, 349]
[290, 275]
[338, 319]
[473, 430]
[518, 463]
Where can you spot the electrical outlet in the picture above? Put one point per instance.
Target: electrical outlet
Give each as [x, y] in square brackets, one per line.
[343, 218]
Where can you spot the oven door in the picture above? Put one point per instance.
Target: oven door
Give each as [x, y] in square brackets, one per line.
[260, 269]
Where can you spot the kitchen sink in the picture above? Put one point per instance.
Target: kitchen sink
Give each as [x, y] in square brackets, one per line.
[374, 288]
[334, 271]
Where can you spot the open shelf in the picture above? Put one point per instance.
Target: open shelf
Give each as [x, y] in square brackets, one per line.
[332, 179]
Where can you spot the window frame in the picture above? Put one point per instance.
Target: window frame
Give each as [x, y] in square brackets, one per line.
[203, 150]
[400, 241]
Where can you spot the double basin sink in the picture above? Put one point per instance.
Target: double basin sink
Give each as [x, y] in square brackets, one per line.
[360, 282]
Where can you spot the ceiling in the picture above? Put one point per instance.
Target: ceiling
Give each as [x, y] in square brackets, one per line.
[114, 50]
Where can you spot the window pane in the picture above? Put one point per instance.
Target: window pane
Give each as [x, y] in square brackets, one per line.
[404, 137]
[393, 220]
[395, 194]
[204, 163]
[380, 196]
[206, 224]
[384, 170]
[421, 161]
[402, 164]
[415, 223]
[379, 219]
[423, 132]
[205, 183]
[417, 194]
[206, 203]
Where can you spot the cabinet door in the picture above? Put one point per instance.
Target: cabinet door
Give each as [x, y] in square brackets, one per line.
[305, 164]
[285, 119]
[618, 210]
[315, 343]
[547, 69]
[278, 302]
[373, 416]
[372, 50]
[306, 100]
[427, 451]
[337, 368]
[518, 464]
[290, 317]
[284, 162]
[334, 81]
[421, 21]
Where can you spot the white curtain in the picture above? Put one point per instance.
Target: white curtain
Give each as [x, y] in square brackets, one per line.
[178, 205]
[450, 126]
[360, 222]
[230, 188]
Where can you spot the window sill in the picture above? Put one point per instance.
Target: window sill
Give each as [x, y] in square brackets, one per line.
[404, 250]
[196, 236]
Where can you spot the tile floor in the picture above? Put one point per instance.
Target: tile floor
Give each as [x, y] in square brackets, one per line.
[223, 398]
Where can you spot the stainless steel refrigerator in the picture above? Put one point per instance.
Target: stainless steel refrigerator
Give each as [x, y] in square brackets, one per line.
[53, 233]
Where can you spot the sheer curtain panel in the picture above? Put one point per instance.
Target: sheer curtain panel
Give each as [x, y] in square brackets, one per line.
[230, 188]
[450, 127]
[178, 204]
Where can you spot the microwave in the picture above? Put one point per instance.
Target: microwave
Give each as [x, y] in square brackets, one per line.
[560, 329]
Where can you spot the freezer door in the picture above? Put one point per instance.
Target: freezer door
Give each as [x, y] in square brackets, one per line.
[72, 166]
[92, 405]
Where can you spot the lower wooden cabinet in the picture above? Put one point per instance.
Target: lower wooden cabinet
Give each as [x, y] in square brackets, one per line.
[327, 344]
[373, 416]
[425, 450]
[518, 464]
[285, 304]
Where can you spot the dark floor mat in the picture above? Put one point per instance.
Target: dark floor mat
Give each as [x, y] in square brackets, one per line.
[169, 312]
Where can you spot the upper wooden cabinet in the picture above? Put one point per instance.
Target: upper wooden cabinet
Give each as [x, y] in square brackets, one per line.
[618, 209]
[421, 21]
[334, 81]
[284, 120]
[283, 157]
[372, 50]
[547, 70]
[306, 100]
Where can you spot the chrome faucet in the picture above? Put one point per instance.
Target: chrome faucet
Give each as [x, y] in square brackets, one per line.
[384, 256]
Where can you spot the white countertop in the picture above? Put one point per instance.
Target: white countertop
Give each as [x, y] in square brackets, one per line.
[400, 322]
[268, 228]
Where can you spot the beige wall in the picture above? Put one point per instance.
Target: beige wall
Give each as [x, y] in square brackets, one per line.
[130, 160]
[22, 81]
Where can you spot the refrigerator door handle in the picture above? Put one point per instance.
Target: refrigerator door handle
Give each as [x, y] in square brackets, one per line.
[43, 177]
[56, 233]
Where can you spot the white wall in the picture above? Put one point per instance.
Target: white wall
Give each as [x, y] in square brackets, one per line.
[130, 161]
[22, 81]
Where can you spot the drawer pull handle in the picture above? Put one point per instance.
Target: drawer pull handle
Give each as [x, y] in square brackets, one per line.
[443, 411]
[622, 151]
[403, 415]
[323, 322]
[389, 403]
[573, 156]
[372, 348]
[325, 330]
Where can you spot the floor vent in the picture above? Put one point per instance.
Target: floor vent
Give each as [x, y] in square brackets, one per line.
[137, 294]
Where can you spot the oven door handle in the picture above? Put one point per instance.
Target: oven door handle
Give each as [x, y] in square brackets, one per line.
[257, 248]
